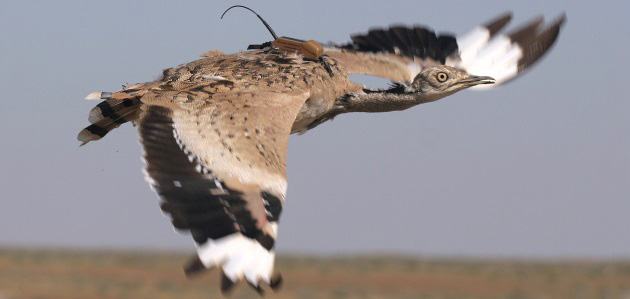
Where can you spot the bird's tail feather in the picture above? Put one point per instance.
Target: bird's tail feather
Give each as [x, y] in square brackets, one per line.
[116, 109]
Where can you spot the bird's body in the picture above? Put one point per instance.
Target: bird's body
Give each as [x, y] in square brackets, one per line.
[258, 72]
[215, 131]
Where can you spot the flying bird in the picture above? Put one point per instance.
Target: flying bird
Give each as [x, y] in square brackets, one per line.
[215, 131]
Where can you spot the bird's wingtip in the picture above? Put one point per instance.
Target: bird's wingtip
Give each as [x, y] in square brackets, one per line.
[496, 24]
[561, 19]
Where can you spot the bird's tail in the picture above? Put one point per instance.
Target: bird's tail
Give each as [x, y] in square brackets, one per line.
[116, 109]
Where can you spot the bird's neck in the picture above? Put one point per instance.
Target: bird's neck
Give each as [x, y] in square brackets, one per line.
[398, 97]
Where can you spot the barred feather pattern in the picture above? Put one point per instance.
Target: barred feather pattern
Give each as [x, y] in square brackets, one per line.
[116, 109]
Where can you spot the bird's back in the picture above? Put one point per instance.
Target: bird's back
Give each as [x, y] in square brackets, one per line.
[203, 82]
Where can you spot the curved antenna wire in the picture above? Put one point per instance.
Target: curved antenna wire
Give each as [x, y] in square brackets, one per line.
[265, 23]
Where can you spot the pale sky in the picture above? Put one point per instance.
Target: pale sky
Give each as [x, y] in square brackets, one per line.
[539, 167]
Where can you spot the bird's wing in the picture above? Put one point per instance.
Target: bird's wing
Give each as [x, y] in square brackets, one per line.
[218, 163]
[399, 53]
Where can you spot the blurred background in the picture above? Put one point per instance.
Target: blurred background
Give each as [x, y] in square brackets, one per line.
[535, 170]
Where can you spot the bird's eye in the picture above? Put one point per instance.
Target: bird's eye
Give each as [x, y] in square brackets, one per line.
[441, 76]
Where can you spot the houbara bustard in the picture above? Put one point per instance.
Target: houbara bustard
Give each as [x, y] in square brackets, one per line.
[215, 130]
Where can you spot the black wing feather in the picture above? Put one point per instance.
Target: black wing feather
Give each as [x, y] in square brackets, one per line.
[411, 42]
[195, 201]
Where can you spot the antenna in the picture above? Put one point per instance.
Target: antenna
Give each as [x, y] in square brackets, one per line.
[265, 23]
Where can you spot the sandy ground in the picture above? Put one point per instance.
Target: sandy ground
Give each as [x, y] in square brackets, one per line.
[28, 273]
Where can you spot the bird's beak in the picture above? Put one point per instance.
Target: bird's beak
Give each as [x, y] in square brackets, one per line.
[476, 80]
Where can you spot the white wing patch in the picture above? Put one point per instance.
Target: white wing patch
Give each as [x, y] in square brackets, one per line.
[239, 257]
[469, 44]
[504, 56]
[497, 57]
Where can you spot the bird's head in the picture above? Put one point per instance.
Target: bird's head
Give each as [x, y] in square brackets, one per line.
[437, 82]
[431, 84]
